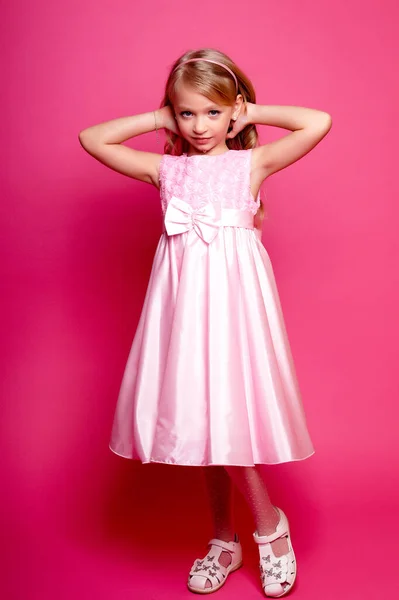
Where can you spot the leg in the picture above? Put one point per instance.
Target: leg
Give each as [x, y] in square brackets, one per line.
[251, 485]
[220, 489]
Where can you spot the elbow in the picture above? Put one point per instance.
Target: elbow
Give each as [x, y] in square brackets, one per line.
[322, 124]
[326, 120]
[85, 138]
[84, 134]
[82, 137]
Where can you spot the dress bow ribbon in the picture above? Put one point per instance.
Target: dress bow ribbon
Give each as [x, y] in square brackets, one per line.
[181, 216]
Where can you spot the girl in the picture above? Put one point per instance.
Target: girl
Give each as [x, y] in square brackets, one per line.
[210, 380]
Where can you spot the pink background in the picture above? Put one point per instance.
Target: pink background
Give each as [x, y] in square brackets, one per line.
[77, 242]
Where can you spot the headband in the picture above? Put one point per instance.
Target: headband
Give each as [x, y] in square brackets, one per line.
[216, 63]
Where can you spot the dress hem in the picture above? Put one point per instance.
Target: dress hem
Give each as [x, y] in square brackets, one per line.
[165, 462]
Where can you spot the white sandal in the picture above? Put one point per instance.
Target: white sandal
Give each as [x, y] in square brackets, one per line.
[209, 568]
[274, 571]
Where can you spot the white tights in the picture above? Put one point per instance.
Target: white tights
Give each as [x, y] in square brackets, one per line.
[249, 482]
[219, 482]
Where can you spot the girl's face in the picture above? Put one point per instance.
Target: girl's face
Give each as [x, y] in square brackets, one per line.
[201, 122]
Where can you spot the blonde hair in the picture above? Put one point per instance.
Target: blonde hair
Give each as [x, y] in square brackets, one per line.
[217, 84]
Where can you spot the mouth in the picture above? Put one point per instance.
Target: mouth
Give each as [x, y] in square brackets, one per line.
[199, 139]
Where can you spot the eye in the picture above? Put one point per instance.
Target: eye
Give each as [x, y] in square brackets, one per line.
[214, 112]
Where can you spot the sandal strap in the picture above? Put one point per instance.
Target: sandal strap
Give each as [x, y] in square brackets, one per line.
[211, 561]
[267, 539]
[282, 530]
[229, 546]
[209, 568]
[278, 570]
[209, 572]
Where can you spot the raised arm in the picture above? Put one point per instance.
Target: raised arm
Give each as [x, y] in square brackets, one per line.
[104, 143]
[308, 126]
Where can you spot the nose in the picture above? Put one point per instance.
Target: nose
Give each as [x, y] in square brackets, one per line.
[199, 127]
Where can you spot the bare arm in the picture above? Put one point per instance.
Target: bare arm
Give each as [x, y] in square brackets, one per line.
[308, 126]
[104, 142]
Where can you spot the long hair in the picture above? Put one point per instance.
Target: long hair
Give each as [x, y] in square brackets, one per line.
[216, 83]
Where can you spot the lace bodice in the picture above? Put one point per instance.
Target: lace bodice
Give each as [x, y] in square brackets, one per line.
[200, 179]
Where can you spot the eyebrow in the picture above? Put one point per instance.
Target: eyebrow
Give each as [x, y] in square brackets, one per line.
[184, 107]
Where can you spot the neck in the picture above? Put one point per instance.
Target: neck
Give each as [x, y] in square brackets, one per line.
[211, 151]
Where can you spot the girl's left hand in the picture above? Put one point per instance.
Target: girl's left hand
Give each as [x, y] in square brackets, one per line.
[242, 120]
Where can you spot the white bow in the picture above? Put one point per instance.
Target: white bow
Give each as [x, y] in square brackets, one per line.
[181, 216]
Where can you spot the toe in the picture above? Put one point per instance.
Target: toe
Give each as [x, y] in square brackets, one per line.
[199, 583]
[274, 590]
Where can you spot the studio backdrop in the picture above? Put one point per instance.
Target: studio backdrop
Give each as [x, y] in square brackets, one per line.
[77, 244]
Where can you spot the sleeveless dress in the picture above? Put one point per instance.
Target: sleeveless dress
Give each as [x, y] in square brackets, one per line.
[210, 378]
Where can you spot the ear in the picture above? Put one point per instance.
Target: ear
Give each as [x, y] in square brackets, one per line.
[237, 106]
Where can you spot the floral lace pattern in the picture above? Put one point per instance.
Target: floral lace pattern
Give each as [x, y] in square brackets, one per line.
[200, 179]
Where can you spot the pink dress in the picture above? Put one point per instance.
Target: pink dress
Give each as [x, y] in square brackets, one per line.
[210, 378]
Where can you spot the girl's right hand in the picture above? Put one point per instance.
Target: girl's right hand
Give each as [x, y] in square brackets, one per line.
[166, 119]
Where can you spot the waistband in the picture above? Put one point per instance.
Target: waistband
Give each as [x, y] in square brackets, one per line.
[234, 217]
[206, 220]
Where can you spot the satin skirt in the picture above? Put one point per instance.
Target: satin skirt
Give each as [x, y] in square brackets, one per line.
[210, 378]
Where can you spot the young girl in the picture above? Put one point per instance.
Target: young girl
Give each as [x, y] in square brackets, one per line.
[210, 380]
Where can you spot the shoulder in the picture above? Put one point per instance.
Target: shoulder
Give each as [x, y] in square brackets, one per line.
[166, 159]
[169, 164]
[257, 159]
[169, 160]
[242, 154]
[243, 158]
